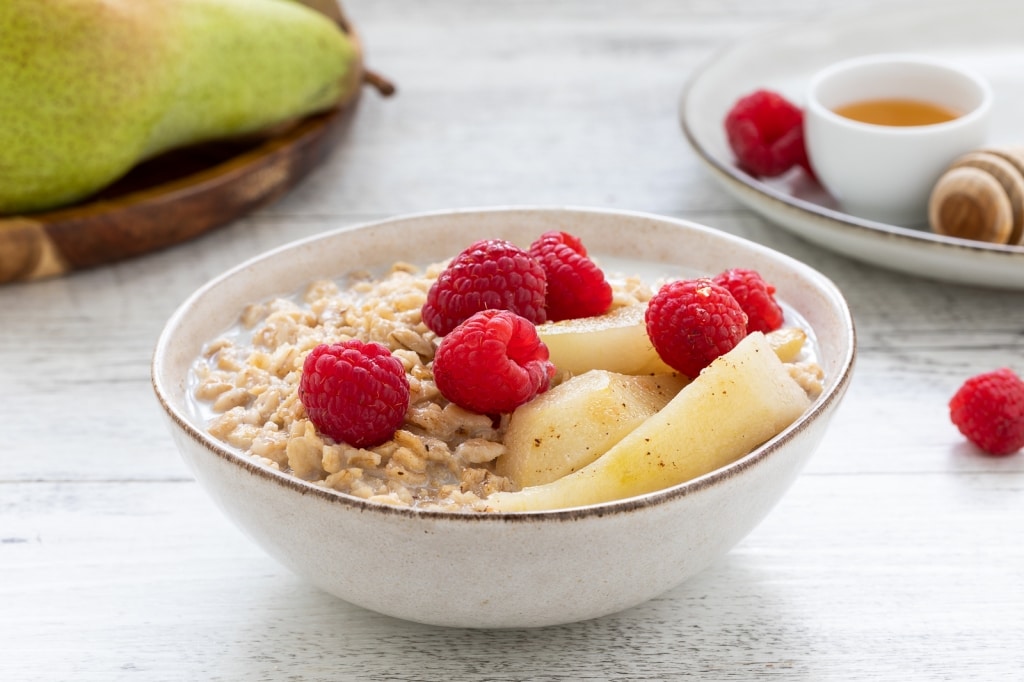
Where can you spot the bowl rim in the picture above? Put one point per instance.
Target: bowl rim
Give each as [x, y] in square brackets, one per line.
[822, 404]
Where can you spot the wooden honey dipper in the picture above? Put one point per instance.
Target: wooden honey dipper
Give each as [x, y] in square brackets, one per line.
[981, 197]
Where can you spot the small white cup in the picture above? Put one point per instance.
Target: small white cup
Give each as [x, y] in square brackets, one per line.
[881, 172]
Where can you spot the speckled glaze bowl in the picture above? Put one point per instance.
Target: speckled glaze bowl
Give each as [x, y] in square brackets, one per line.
[515, 569]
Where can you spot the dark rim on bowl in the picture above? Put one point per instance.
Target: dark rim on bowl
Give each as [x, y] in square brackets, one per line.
[822, 404]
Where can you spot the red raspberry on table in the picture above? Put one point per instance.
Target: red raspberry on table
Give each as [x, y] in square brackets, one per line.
[491, 363]
[491, 273]
[989, 410]
[766, 133]
[755, 296]
[692, 322]
[576, 286]
[354, 392]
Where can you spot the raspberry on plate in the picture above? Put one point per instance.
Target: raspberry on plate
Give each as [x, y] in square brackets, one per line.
[989, 410]
[354, 392]
[766, 133]
[576, 286]
[489, 274]
[692, 322]
[755, 296]
[492, 363]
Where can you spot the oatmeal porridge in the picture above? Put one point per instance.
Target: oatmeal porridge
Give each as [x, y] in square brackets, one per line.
[442, 457]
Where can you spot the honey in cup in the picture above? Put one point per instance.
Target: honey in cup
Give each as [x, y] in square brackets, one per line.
[886, 172]
[897, 112]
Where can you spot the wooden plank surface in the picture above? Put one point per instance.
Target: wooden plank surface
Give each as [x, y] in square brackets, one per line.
[896, 555]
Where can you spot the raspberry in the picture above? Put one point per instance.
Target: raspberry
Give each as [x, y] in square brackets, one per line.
[576, 286]
[354, 392]
[766, 133]
[493, 362]
[755, 296]
[692, 322]
[490, 273]
[989, 410]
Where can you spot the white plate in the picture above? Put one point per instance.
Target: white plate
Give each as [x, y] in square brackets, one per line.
[985, 35]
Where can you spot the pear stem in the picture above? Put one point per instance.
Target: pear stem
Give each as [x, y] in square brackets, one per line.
[383, 86]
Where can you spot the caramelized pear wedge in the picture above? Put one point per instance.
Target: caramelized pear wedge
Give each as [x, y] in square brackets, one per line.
[787, 343]
[738, 402]
[616, 341]
[577, 421]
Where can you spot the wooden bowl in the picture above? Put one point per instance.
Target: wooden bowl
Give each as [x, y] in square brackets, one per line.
[179, 195]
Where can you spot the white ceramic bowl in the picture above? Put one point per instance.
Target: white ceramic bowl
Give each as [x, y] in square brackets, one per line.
[883, 172]
[501, 570]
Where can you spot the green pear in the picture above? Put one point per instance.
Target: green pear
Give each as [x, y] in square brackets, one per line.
[89, 88]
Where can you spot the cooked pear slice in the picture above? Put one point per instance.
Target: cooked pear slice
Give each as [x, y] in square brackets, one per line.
[787, 342]
[616, 341]
[739, 401]
[574, 423]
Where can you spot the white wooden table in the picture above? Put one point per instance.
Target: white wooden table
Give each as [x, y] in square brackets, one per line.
[897, 555]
